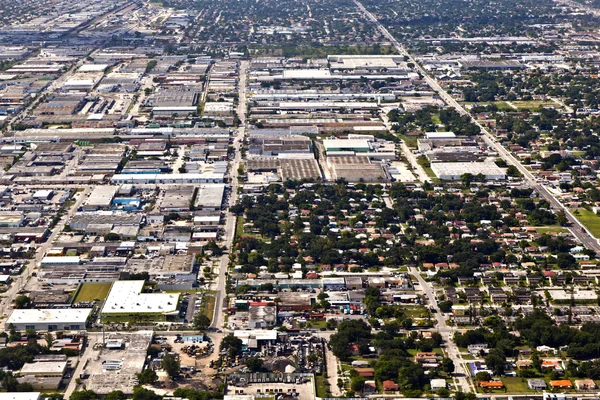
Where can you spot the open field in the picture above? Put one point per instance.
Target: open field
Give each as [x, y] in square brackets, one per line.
[547, 229]
[590, 221]
[92, 291]
[533, 104]
[516, 385]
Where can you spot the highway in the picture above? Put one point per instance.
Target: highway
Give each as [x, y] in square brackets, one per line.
[576, 228]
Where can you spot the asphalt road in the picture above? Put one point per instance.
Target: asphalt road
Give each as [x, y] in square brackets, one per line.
[460, 375]
[230, 223]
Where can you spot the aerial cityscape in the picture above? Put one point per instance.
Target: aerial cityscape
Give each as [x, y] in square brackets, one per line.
[300, 199]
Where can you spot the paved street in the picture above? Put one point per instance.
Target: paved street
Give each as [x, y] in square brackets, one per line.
[461, 377]
[230, 222]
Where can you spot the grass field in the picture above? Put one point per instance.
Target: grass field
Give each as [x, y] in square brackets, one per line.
[516, 385]
[533, 104]
[92, 291]
[546, 229]
[208, 305]
[590, 220]
[411, 141]
[321, 385]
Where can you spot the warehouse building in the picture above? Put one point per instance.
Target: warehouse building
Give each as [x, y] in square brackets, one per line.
[453, 171]
[20, 396]
[100, 198]
[356, 145]
[210, 197]
[126, 300]
[205, 177]
[68, 319]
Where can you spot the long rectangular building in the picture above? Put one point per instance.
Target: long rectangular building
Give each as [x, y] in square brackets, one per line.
[73, 319]
[168, 178]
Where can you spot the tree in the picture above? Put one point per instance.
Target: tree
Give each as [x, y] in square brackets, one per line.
[22, 301]
[512, 171]
[201, 322]
[357, 383]
[49, 337]
[232, 344]
[566, 261]
[147, 376]
[13, 335]
[561, 218]
[140, 393]
[496, 361]
[83, 395]
[354, 331]
[483, 376]
[254, 364]
[467, 179]
[407, 323]
[447, 365]
[171, 365]
[460, 395]
[115, 395]
[112, 237]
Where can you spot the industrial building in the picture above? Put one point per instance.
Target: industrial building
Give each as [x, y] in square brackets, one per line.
[126, 300]
[356, 145]
[205, 177]
[68, 319]
[100, 198]
[453, 171]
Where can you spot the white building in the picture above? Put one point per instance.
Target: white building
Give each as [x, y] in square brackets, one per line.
[440, 135]
[70, 319]
[209, 177]
[101, 197]
[437, 384]
[451, 171]
[126, 298]
[20, 396]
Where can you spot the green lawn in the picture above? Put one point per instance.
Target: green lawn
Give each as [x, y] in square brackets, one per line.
[92, 291]
[411, 141]
[516, 385]
[431, 174]
[590, 220]
[208, 304]
[533, 104]
[321, 386]
[546, 229]
[436, 119]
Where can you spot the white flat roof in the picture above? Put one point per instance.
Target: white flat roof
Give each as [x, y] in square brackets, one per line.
[458, 168]
[20, 396]
[92, 68]
[46, 367]
[440, 135]
[127, 297]
[61, 260]
[345, 143]
[175, 108]
[50, 315]
[101, 196]
[306, 73]
[257, 334]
